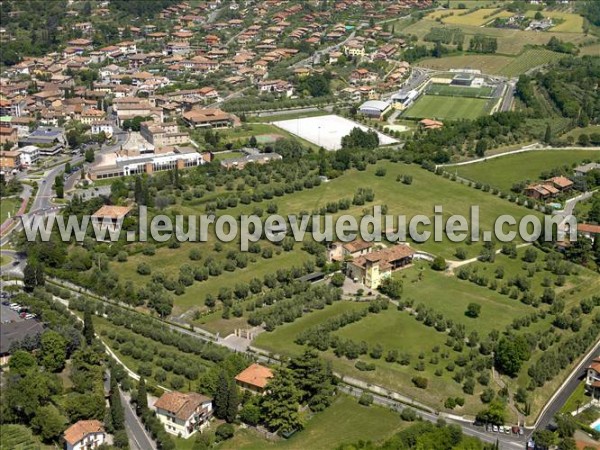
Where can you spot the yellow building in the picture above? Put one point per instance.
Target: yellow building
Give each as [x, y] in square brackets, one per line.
[371, 269]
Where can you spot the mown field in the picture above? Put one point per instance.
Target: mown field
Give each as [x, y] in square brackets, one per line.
[477, 18]
[345, 421]
[495, 64]
[504, 171]
[510, 42]
[447, 108]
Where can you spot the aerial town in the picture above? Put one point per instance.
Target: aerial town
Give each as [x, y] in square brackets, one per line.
[300, 224]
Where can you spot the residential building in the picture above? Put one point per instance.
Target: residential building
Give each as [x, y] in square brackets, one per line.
[341, 251]
[588, 230]
[103, 126]
[254, 378]
[109, 216]
[561, 183]
[10, 159]
[163, 134]
[205, 118]
[30, 154]
[354, 48]
[584, 169]
[85, 435]
[184, 414]
[592, 378]
[371, 269]
[541, 191]
[8, 134]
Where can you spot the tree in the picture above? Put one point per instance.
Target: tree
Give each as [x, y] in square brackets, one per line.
[252, 141]
[495, 413]
[250, 414]
[548, 134]
[233, 402]
[117, 415]
[53, 351]
[221, 396]
[357, 138]
[473, 310]
[337, 279]
[22, 362]
[33, 275]
[141, 399]
[391, 287]
[224, 431]
[510, 354]
[544, 439]
[314, 378]
[89, 155]
[566, 425]
[281, 403]
[439, 263]
[88, 327]
[49, 423]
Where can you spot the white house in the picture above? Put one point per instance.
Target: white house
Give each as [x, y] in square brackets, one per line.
[84, 435]
[30, 154]
[103, 125]
[592, 378]
[183, 414]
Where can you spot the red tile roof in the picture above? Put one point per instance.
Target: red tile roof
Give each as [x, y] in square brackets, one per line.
[81, 429]
[255, 375]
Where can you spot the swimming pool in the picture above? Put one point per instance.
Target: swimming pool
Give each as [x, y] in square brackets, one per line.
[596, 425]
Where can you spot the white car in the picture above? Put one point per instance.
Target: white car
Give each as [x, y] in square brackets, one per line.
[14, 306]
[495, 428]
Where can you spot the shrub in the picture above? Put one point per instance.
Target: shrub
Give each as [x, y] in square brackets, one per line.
[439, 263]
[408, 415]
[365, 399]
[224, 431]
[420, 382]
[144, 269]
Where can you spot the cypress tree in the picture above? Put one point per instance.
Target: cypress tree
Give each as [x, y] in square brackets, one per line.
[141, 400]
[221, 396]
[232, 402]
[116, 408]
[88, 327]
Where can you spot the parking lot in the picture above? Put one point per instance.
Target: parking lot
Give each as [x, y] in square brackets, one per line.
[8, 315]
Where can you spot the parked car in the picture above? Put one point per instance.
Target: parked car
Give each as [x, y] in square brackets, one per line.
[495, 428]
[515, 430]
[6, 303]
[14, 306]
[29, 316]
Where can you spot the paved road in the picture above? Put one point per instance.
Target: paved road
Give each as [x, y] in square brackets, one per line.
[565, 391]
[138, 437]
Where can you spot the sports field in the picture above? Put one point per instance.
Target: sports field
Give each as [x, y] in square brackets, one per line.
[495, 64]
[459, 91]
[447, 108]
[505, 171]
[326, 131]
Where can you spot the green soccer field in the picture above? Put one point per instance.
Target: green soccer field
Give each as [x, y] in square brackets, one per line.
[459, 91]
[447, 108]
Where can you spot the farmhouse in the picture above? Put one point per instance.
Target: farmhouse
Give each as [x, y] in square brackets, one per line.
[541, 191]
[561, 183]
[375, 108]
[85, 435]
[592, 378]
[110, 216]
[588, 230]
[254, 378]
[339, 251]
[183, 414]
[371, 269]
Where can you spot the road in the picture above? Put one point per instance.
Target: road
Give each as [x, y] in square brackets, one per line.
[325, 50]
[138, 437]
[565, 391]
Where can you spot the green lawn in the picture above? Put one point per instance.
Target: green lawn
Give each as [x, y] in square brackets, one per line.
[281, 341]
[9, 206]
[220, 156]
[505, 171]
[447, 108]
[577, 399]
[345, 421]
[458, 91]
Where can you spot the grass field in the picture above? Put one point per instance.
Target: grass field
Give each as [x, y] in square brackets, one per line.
[220, 156]
[345, 421]
[576, 132]
[577, 399]
[447, 108]
[459, 91]
[495, 64]
[9, 206]
[593, 50]
[504, 171]
[476, 18]
[510, 42]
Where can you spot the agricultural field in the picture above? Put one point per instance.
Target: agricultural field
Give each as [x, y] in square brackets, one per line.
[504, 171]
[448, 108]
[18, 437]
[477, 18]
[593, 50]
[510, 42]
[345, 417]
[459, 91]
[495, 64]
